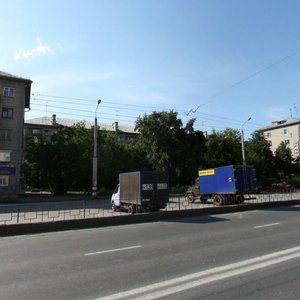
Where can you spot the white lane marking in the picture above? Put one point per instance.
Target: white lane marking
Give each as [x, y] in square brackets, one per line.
[267, 225]
[113, 250]
[168, 287]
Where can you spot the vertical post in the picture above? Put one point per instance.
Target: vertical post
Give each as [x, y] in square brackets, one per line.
[18, 215]
[242, 142]
[84, 209]
[243, 148]
[95, 157]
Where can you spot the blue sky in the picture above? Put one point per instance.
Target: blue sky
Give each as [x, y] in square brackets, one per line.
[231, 59]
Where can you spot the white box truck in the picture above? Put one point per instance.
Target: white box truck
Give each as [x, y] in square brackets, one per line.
[141, 191]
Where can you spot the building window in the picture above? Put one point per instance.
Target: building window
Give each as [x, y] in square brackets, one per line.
[268, 134]
[47, 133]
[4, 180]
[7, 113]
[36, 131]
[287, 142]
[285, 131]
[4, 156]
[5, 135]
[8, 92]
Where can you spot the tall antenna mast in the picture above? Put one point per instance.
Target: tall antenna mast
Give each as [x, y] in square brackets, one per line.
[296, 110]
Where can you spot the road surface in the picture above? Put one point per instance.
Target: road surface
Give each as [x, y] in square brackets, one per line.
[245, 255]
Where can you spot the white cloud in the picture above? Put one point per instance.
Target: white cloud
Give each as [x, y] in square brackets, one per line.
[39, 49]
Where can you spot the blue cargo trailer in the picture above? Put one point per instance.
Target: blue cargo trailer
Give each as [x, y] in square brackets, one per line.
[225, 185]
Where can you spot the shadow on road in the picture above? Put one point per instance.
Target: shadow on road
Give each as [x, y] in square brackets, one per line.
[284, 208]
[198, 220]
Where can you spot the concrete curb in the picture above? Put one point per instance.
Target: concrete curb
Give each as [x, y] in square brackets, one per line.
[33, 228]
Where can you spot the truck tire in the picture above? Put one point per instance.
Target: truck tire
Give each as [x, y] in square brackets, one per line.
[113, 206]
[131, 209]
[218, 200]
[190, 197]
[240, 198]
[203, 199]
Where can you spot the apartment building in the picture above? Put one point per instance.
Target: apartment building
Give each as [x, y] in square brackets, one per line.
[14, 99]
[47, 126]
[287, 131]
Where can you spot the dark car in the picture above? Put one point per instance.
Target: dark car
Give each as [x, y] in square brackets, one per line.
[280, 187]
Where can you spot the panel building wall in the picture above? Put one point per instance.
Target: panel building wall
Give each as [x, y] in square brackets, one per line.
[14, 98]
[287, 131]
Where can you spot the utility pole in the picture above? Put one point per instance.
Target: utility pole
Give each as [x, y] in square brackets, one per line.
[242, 141]
[95, 157]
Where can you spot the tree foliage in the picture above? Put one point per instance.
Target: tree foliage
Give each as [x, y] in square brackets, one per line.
[170, 146]
[259, 155]
[283, 159]
[223, 148]
[65, 162]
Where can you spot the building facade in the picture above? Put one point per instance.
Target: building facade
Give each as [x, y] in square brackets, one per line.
[287, 131]
[14, 99]
[47, 126]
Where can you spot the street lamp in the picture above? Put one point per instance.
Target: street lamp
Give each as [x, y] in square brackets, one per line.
[242, 141]
[95, 157]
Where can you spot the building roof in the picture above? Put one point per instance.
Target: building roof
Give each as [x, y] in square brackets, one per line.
[27, 87]
[281, 124]
[48, 121]
[14, 77]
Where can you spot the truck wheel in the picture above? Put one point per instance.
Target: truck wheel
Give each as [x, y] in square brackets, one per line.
[218, 200]
[190, 198]
[131, 209]
[203, 199]
[240, 199]
[113, 206]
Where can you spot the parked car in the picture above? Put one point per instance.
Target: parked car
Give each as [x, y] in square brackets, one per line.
[280, 187]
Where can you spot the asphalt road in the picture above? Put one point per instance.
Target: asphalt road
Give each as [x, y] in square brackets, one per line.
[246, 255]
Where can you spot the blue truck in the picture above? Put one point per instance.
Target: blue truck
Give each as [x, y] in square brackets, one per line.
[224, 185]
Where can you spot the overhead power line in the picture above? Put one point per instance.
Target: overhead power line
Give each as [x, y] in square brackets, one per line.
[243, 80]
[111, 114]
[143, 109]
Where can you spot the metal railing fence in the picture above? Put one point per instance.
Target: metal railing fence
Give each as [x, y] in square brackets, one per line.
[83, 209]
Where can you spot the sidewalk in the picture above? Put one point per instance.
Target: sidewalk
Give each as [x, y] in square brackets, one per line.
[47, 197]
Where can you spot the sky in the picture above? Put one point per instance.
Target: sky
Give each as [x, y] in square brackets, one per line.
[218, 61]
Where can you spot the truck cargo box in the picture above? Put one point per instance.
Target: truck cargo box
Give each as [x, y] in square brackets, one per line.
[144, 188]
[227, 180]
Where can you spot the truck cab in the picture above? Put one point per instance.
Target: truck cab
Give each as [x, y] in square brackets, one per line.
[115, 198]
[193, 192]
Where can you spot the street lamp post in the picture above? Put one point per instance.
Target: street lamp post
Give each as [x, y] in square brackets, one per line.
[242, 141]
[95, 157]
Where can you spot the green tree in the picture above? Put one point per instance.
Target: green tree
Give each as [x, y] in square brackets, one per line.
[259, 154]
[223, 148]
[170, 146]
[284, 160]
[65, 162]
[34, 162]
[62, 163]
[116, 157]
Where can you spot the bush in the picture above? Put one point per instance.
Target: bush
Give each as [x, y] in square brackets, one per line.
[178, 189]
[269, 181]
[295, 181]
